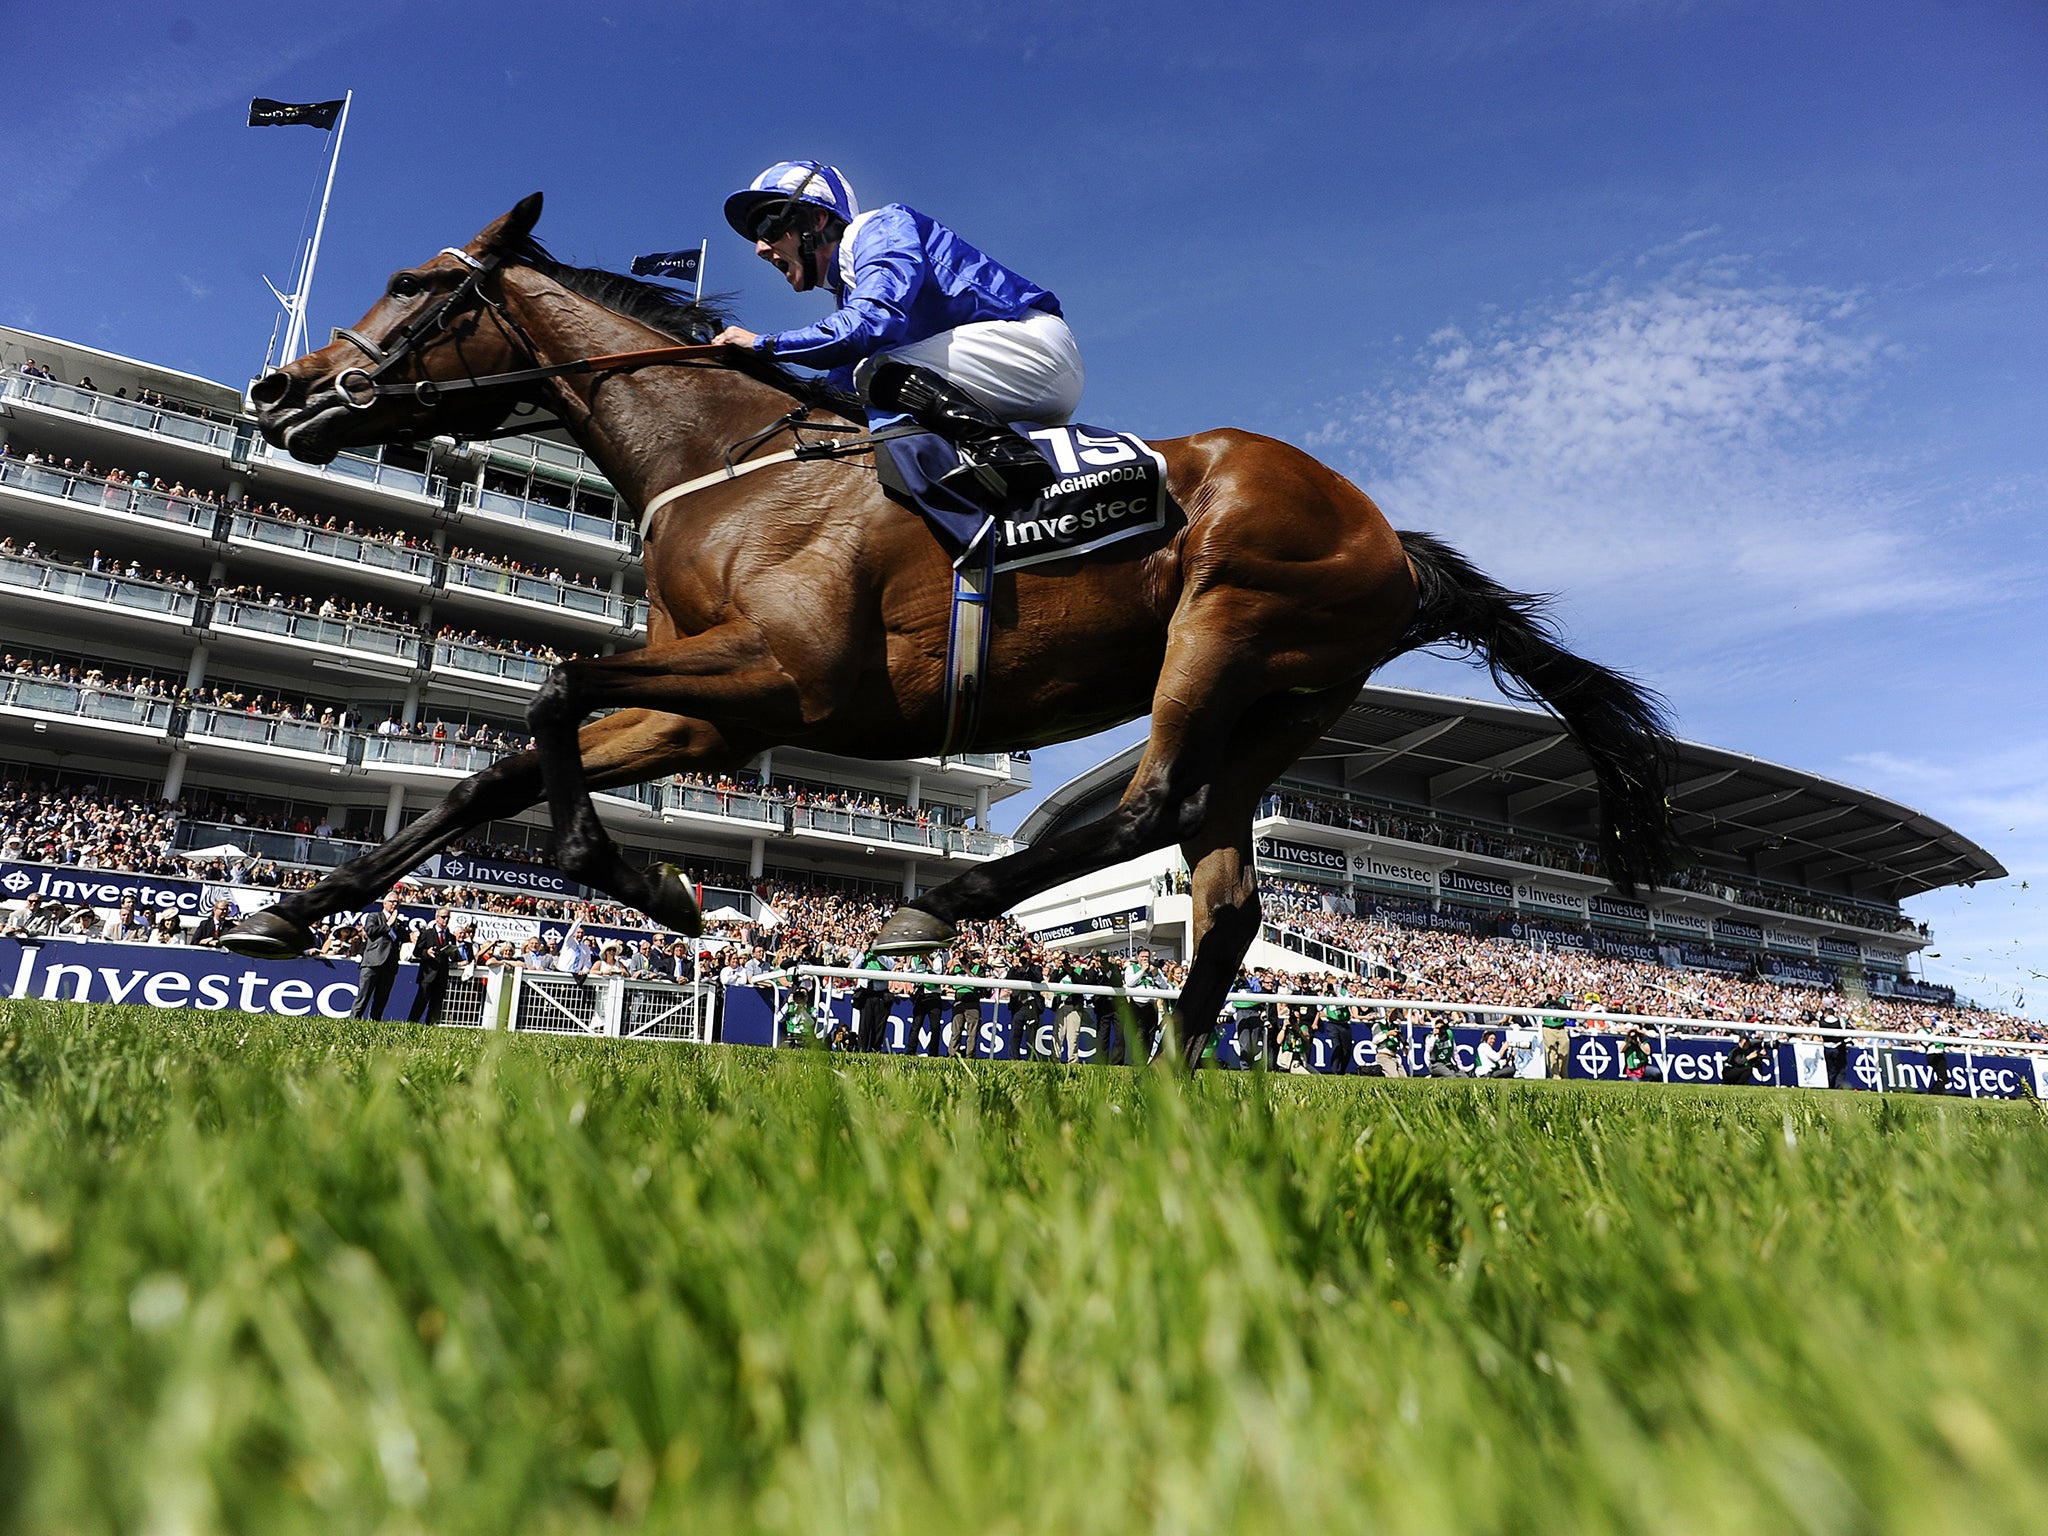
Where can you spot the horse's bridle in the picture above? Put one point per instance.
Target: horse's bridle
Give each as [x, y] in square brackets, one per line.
[360, 388]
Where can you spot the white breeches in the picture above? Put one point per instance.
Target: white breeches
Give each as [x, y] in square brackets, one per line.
[1023, 370]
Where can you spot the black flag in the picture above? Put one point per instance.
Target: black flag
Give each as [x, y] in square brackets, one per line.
[683, 266]
[265, 113]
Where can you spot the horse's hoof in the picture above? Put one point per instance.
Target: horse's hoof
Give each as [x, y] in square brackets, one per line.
[912, 932]
[672, 902]
[267, 936]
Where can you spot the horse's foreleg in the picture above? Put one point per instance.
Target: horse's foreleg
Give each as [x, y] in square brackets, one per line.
[619, 749]
[728, 669]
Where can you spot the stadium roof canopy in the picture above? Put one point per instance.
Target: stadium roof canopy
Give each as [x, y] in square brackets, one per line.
[1508, 765]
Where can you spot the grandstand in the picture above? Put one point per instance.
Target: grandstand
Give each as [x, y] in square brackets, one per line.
[216, 660]
[1471, 817]
[306, 658]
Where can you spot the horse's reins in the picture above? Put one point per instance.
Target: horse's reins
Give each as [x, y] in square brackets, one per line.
[359, 388]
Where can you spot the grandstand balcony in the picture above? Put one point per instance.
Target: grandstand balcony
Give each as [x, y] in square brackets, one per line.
[84, 507]
[38, 584]
[299, 848]
[279, 739]
[482, 668]
[341, 640]
[358, 477]
[86, 418]
[545, 526]
[368, 558]
[85, 707]
[514, 593]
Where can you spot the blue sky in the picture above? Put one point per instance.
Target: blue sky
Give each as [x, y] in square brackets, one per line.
[1726, 321]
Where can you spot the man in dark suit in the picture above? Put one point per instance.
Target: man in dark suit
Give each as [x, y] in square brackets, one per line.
[383, 932]
[214, 924]
[435, 952]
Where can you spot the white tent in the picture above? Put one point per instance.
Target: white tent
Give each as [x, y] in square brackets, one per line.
[726, 915]
[217, 851]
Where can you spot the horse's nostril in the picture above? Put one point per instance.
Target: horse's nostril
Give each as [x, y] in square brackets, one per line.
[272, 390]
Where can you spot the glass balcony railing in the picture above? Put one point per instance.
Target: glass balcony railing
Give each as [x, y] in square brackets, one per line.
[83, 701]
[147, 597]
[283, 847]
[566, 597]
[482, 661]
[363, 469]
[529, 451]
[414, 752]
[207, 723]
[538, 514]
[214, 435]
[361, 549]
[649, 796]
[733, 804]
[90, 491]
[311, 629]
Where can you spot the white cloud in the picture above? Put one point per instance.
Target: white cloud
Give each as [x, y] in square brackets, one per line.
[1674, 445]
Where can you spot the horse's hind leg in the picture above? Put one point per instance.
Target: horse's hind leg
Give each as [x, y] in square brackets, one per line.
[619, 749]
[1202, 693]
[1225, 889]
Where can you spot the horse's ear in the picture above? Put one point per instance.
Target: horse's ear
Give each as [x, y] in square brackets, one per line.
[512, 227]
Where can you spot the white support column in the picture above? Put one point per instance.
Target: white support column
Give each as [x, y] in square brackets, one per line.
[981, 809]
[916, 789]
[757, 852]
[909, 878]
[411, 713]
[765, 767]
[394, 811]
[174, 774]
[195, 668]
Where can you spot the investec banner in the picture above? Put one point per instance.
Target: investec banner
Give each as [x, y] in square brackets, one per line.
[1838, 949]
[1534, 898]
[1728, 931]
[1684, 922]
[104, 888]
[1613, 909]
[500, 875]
[1477, 885]
[1102, 922]
[1370, 866]
[169, 976]
[1302, 855]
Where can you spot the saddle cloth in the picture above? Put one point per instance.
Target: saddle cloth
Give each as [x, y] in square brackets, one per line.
[1112, 487]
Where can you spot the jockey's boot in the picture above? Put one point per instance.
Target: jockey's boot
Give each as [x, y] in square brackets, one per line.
[994, 460]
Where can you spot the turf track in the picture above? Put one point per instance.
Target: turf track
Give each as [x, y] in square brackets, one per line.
[268, 1275]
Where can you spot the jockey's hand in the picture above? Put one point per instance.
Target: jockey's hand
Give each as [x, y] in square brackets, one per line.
[734, 336]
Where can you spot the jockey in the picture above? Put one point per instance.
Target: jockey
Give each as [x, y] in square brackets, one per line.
[927, 327]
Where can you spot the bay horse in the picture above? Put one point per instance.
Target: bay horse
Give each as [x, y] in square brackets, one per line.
[801, 606]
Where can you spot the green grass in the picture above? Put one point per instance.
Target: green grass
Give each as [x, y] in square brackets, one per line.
[266, 1276]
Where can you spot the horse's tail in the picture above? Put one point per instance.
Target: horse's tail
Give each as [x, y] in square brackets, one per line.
[1618, 724]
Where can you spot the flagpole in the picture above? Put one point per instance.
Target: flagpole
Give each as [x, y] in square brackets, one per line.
[295, 333]
[703, 250]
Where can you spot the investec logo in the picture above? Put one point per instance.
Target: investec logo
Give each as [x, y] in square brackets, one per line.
[1376, 868]
[85, 890]
[1308, 855]
[191, 980]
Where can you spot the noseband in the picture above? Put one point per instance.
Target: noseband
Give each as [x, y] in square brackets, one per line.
[360, 388]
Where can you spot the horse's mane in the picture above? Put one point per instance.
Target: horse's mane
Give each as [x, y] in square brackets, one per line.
[669, 312]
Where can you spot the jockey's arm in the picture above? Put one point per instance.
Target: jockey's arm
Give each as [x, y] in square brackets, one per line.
[888, 270]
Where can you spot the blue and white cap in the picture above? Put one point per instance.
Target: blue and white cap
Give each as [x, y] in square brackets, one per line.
[786, 182]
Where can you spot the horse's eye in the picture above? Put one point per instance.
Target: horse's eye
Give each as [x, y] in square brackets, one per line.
[406, 286]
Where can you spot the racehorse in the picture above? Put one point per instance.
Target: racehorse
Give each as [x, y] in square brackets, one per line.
[800, 605]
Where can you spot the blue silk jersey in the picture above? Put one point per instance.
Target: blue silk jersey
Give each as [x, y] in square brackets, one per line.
[902, 277]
